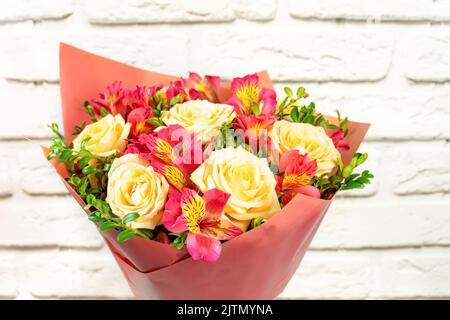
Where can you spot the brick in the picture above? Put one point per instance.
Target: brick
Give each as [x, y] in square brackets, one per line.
[75, 274]
[429, 61]
[6, 183]
[383, 10]
[427, 117]
[33, 55]
[47, 222]
[145, 11]
[420, 274]
[37, 176]
[420, 169]
[331, 275]
[8, 277]
[383, 224]
[29, 109]
[21, 10]
[295, 54]
[255, 10]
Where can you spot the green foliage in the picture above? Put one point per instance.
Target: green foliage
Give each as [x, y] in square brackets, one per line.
[180, 239]
[108, 221]
[344, 179]
[302, 113]
[89, 172]
[256, 222]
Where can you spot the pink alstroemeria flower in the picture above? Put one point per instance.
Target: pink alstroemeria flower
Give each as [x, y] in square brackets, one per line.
[298, 171]
[246, 93]
[338, 139]
[171, 151]
[206, 88]
[202, 218]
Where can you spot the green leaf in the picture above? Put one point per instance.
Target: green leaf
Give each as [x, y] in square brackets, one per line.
[130, 217]
[94, 217]
[362, 158]
[288, 92]
[65, 155]
[74, 180]
[108, 225]
[84, 142]
[256, 222]
[175, 100]
[84, 161]
[180, 239]
[294, 114]
[89, 170]
[347, 171]
[300, 92]
[255, 109]
[104, 112]
[155, 122]
[125, 235]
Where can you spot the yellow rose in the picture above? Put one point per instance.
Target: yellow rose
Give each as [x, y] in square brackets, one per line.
[305, 137]
[133, 186]
[107, 136]
[245, 177]
[200, 117]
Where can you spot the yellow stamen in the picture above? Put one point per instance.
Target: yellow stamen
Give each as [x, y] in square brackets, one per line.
[292, 181]
[248, 95]
[174, 176]
[164, 147]
[194, 212]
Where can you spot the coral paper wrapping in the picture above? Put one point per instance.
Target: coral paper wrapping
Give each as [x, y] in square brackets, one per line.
[255, 265]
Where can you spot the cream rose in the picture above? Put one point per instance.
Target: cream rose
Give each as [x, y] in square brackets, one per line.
[305, 137]
[133, 186]
[245, 177]
[200, 117]
[107, 136]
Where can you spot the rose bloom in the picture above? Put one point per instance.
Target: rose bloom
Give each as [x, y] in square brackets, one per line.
[107, 136]
[133, 186]
[200, 117]
[246, 178]
[306, 138]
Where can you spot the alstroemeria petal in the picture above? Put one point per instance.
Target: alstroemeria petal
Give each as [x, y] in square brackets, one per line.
[203, 248]
[172, 217]
[215, 201]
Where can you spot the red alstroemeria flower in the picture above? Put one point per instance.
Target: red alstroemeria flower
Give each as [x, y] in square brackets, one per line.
[246, 92]
[202, 218]
[298, 171]
[338, 139]
[138, 120]
[206, 88]
[115, 100]
[143, 97]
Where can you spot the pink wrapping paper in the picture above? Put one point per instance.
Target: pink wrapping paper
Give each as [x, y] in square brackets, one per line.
[255, 265]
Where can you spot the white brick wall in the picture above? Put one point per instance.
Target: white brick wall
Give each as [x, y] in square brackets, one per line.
[381, 61]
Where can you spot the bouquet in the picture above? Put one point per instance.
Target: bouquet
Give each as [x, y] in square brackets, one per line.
[201, 188]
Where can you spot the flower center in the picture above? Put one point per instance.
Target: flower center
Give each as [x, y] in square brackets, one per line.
[292, 181]
[193, 212]
[248, 95]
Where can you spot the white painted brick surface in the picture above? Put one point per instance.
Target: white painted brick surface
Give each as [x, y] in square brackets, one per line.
[8, 277]
[88, 274]
[426, 56]
[384, 10]
[339, 54]
[21, 10]
[62, 223]
[358, 224]
[390, 240]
